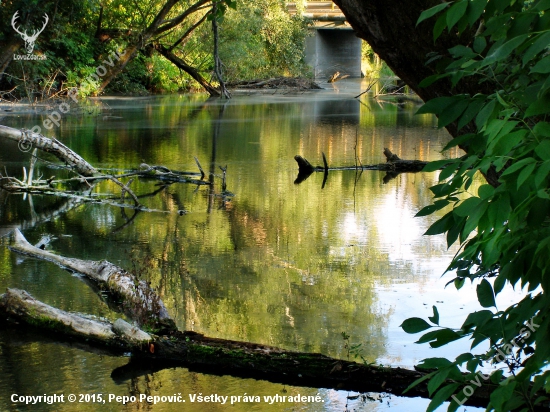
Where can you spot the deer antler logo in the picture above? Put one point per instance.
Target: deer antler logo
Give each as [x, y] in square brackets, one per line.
[29, 40]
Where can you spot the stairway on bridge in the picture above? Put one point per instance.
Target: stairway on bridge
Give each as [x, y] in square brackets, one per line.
[333, 47]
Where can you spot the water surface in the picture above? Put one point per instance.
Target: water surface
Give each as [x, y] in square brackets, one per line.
[282, 264]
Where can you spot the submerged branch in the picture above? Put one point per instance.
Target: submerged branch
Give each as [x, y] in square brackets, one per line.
[394, 165]
[140, 302]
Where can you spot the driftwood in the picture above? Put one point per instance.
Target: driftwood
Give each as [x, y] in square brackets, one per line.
[393, 166]
[20, 304]
[214, 356]
[88, 176]
[27, 139]
[199, 353]
[140, 302]
[276, 83]
[171, 347]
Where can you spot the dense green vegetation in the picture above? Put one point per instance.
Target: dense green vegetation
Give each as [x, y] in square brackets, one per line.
[503, 228]
[167, 45]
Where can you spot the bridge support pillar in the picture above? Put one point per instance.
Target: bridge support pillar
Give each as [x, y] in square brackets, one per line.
[334, 50]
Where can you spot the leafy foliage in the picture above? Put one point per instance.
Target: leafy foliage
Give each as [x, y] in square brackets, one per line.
[504, 229]
[260, 40]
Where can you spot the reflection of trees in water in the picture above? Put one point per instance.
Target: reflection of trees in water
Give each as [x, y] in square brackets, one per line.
[281, 265]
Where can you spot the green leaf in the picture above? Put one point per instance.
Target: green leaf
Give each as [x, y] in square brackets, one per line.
[500, 282]
[439, 26]
[435, 318]
[415, 325]
[474, 218]
[437, 164]
[543, 150]
[502, 394]
[442, 395]
[542, 129]
[479, 44]
[461, 51]
[443, 337]
[426, 14]
[485, 294]
[471, 112]
[437, 380]
[455, 13]
[477, 319]
[518, 165]
[436, 105]
[506, 49]
[457, 141]
[428, 210]
[466, 207]
[432, 79]
[434, 363]
[485, 191]
[542, 5]
[543, 194]
[540, 106]
[506, 142]
[542, 173]
[475, 10]
[485, 113]
[452, 112]
[447, 172]
[419, 380]
[542, 41]
[543, 66]
[525, 174]
[440, 226]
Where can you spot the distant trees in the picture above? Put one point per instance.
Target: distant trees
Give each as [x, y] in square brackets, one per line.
[161, 45]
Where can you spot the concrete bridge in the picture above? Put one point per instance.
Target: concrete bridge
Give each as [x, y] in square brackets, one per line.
[334, 47]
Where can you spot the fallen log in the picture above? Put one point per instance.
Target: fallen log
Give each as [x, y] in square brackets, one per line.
[87, 174]
[26, 140]
[217, 356]
[276, 83]
[19, 303]
[138, 300]
[393, 166]
[197, 352]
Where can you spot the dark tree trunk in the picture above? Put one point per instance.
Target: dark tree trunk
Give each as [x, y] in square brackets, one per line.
[8, 47]
[158, 26]
[389, 26]
[191, 71]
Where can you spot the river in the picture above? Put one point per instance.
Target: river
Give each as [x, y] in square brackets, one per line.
[290, 265]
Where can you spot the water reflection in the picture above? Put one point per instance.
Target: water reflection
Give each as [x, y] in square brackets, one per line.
[279, 264]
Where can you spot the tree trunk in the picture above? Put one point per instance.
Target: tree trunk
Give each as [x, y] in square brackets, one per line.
[389, 26]
[194, 73]
[10, 46]
[27, 139]
[216, 356]
[217, 61]
[141, 303]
